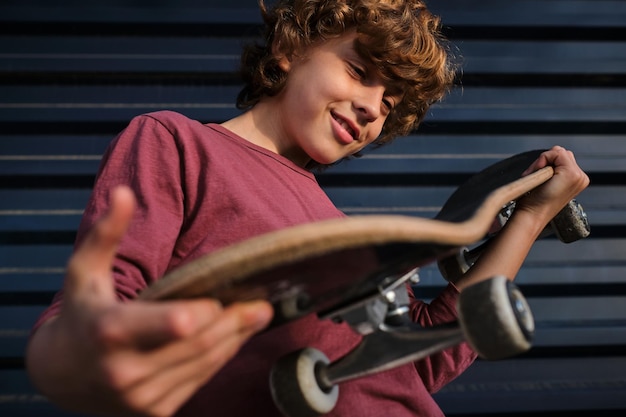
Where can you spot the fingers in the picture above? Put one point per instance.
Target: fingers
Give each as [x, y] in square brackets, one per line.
[543, 160]
[565, 163]
[166, 376]
[146, 325]
[566, 183]
[235, 323]
[214, 348]
[566, 169]
[91, 264]
[558, 157]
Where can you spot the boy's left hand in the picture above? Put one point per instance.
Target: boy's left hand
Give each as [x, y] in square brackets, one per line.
[568, 181]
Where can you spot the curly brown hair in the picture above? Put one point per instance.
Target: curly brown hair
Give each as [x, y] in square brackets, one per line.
[400, 37]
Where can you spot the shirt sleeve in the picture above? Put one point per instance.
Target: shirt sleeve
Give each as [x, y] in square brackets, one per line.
[439, 369]
[145, 157]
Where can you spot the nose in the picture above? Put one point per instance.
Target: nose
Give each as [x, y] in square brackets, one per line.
[368, 102]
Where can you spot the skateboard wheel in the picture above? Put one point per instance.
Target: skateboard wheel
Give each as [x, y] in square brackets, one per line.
[496, 319]
[455, 266]
[295, 387]
[571, 223]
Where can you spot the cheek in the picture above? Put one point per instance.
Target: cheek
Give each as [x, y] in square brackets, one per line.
[303, 97]
[376, 129]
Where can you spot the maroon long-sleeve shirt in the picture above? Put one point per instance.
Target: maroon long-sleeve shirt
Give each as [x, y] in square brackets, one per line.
[199, 188]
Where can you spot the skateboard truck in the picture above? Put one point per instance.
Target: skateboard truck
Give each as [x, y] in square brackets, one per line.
[388, 305]
[493, 317]
[569, 225]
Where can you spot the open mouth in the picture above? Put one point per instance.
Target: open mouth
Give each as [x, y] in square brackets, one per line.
[345, 125]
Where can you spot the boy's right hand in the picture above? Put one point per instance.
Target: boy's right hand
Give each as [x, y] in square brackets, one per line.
[103, 356]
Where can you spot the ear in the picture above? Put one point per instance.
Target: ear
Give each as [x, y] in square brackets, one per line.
[284, 63]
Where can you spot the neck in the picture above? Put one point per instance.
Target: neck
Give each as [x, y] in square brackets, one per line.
[261, 126]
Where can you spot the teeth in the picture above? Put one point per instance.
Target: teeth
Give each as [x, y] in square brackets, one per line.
[348, 128]
[345, 126]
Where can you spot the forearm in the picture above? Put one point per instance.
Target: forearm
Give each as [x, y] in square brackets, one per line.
[506, 251]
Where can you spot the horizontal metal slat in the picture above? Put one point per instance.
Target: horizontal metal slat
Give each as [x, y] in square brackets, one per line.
[454, 12]
[216, 103]
[104, 55]
[428, 153]
[415, 154]
[238, 11]
[605, 205]
[533, 385]
[542, 57]
[557, 13]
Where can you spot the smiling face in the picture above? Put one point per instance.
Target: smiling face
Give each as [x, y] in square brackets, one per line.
[401, 38]
[334, 103]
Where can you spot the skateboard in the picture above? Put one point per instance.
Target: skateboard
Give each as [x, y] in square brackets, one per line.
[356, 270]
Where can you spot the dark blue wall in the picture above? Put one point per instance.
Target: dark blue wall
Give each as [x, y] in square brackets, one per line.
[536, 73]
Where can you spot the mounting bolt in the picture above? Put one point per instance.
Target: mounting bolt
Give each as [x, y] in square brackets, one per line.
[415, 277]
[390, 296]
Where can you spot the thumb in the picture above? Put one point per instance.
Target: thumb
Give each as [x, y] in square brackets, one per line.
[89, 269]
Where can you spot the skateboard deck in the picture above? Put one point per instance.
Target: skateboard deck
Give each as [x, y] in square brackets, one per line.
[328, 264]
[355, 269]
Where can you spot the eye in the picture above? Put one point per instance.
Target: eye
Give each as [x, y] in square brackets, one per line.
[358, 71]
[388, 103]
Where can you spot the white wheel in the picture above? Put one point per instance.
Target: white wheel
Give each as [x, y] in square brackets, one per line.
[295, 387]
[453, 267]
[496, 319]
[571, 223]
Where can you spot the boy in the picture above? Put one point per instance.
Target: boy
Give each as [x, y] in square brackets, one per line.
[333, 77]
